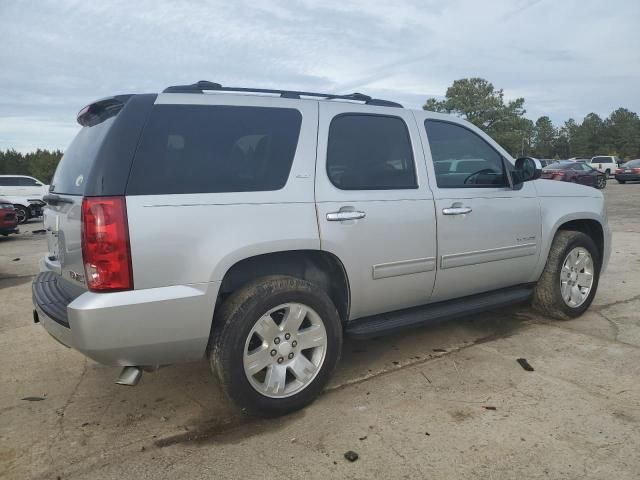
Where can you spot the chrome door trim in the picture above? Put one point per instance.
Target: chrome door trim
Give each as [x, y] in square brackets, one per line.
[403, 267]
[485, 256]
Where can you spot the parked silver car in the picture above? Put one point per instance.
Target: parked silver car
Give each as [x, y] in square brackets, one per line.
[258, 229]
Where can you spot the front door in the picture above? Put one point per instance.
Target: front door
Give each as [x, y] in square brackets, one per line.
[488, 233]
[375, 210]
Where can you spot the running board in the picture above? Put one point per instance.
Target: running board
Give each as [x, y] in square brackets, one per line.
[436, 312]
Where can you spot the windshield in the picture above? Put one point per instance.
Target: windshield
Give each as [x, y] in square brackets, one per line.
[77, 161]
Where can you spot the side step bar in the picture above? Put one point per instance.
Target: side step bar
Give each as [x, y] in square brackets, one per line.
[436, 312]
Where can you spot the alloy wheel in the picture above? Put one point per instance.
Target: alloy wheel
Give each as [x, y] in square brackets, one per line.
[576, 277]
[285, 350]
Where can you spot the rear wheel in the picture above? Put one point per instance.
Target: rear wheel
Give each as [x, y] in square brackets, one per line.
[22, 214]
[601, 182]
[570, 277]
[275, 345]
[607, 173]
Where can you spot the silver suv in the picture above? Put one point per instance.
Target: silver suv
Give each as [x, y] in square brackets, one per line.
[258, 227]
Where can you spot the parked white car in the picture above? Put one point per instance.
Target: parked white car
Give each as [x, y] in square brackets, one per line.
[25, 193]
[605, 163]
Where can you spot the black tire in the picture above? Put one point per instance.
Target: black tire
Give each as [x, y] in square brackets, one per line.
[547, 298]
[607, 173]
[622, 181]
[22, 213]
[233, 323]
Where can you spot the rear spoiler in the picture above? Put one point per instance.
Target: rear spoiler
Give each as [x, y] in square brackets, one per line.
[98, 111]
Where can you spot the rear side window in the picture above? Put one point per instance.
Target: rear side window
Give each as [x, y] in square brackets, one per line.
[214, 149]
[8, 181]
[78, 159]
[370, 152]
[462, 159]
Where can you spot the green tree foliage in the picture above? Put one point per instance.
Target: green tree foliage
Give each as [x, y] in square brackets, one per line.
[40, 164]
[479, 102]
[476, 100]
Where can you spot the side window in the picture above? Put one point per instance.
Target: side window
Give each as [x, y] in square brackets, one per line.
[461, 159]
[9, 181]
[370, 152]
[27, 182]
[214, 149]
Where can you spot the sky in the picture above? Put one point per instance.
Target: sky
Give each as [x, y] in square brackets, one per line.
[567, 58]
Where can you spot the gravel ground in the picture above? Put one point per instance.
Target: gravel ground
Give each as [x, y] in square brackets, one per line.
[444, 402]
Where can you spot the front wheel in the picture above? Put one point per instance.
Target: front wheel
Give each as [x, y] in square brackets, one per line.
[276, 342]
[22, 214]
[570, 277]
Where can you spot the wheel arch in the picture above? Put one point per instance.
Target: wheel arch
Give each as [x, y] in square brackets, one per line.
[316, 266]
[587, 222]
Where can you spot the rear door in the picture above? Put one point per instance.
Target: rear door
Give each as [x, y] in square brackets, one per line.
[374, 206]
[488, 234]
[8, 186]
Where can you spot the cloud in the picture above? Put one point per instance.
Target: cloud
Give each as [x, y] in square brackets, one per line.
[566, 58]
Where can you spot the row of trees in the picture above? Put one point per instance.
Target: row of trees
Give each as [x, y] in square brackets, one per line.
[479, 102]
[40, 164]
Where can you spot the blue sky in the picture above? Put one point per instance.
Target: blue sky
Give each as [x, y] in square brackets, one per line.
[567, 58]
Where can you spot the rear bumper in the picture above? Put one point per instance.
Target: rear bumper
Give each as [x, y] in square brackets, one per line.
[150, 327]
[628, 177]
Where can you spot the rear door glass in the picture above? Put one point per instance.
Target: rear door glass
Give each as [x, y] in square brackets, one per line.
[213, 149]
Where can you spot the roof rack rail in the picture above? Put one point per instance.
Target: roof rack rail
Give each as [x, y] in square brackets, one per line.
[204, 85]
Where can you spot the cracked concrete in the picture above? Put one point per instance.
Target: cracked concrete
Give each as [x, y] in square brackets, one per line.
[443, 402]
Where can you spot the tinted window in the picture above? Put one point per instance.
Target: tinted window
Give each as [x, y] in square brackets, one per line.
[27, 182]
[461, 158]
[602, 160]
[209, 149]
[9, 181]
[632, 164]
[370, 152]
[78, 159]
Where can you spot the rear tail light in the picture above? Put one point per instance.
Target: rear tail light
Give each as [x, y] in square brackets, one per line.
[558, 174]
[618, 170]
[636, 170]
[105, 244]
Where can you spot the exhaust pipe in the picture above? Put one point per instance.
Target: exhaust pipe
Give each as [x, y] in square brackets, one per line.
[129, 376]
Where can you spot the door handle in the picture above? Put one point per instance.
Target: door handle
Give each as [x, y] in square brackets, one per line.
[342, 216]
[456, 210]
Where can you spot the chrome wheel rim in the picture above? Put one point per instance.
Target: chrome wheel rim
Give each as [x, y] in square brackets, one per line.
[285, 350]
[21, 215]
[576, 277]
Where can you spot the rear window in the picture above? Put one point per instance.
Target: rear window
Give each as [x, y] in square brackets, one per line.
[601, 160]
[632, 164]
[78, 159]
[214, 149]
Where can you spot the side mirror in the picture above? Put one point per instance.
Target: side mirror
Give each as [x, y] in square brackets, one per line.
[526, 169]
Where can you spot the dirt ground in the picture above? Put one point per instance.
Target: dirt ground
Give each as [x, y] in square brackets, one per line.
[442, 402]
